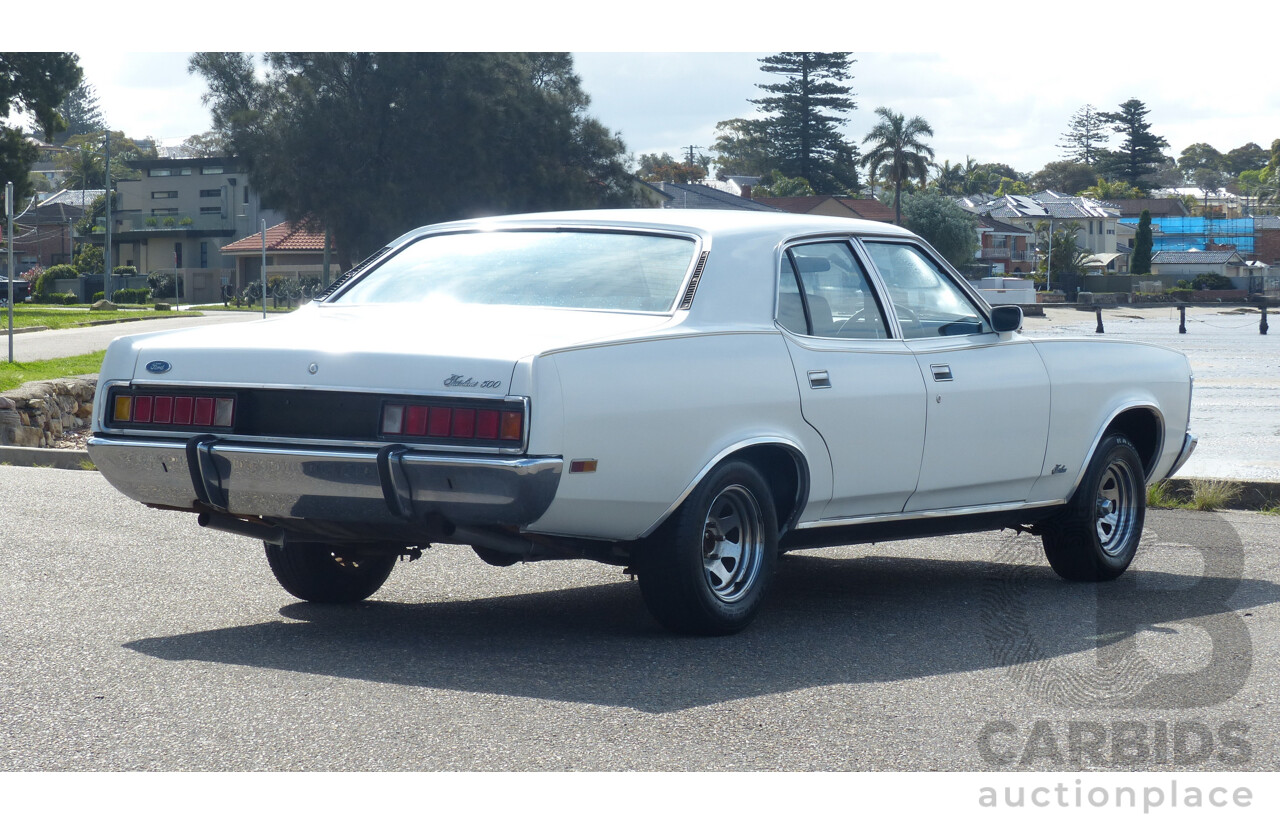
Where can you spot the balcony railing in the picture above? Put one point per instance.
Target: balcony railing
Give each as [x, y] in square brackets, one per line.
[134, 222]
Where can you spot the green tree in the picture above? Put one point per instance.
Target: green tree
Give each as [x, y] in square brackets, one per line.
[1140, 154]
[805, 116]
[778, 185]
[899, 151]
[204, 145]
[368, 145]
[83, 162]
[1086, 136]
[742, 147]
[1107, 190]
[666, 168]
[1067, 176]
[1140, 261]
[1199, 156]
[944, 224]
[1244, 158]
[32, 83]
[1209, 181]
[88, 258]
[80, 113]
[948, 179]
[1068, 257]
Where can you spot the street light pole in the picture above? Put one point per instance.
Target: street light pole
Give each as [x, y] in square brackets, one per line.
[264, 269]
[106, 256]
[8, 210]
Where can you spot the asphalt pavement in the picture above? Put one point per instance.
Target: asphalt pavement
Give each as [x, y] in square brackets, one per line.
[134, 640]
[62, 343]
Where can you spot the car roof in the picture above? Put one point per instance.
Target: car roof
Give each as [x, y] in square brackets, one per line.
[713, 222]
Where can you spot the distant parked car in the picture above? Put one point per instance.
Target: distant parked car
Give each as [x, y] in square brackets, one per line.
[685, 393]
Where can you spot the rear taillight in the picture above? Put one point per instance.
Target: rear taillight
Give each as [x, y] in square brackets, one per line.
[212, 411]
[450, 422]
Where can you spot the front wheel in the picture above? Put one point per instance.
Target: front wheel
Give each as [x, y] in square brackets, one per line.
[328, 573]
[706, 571]
[1095, 538]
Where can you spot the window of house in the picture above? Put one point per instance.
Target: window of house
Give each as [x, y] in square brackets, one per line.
[211, 170]
[159, 173]
[211, 210]
[204, 254]
[186, 171]
[163, 195]
[210, 193]
[165, 211]
[177, 255]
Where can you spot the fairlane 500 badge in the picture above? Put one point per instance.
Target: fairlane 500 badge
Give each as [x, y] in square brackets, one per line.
[456, 380]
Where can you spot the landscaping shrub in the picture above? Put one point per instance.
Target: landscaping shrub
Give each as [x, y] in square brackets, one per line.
[63, 298]
[126, 271]
[1211, 280]
[161, 284]
[131, 296]
[44, 284]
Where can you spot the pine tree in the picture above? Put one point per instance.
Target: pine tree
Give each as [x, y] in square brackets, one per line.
[1140, 262]
[806, 115]
[80, 113]
[1140, 153]
[1085, 137]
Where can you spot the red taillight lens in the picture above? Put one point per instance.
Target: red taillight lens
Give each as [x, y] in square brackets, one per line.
[182, 410]
[452, 422]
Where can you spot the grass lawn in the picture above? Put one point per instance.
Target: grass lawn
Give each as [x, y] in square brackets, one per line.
[18, 373]
[42, 315]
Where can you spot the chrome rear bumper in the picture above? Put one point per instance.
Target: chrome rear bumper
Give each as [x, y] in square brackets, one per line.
[393, 485]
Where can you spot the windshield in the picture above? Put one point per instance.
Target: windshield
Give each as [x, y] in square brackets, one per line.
[545, 268]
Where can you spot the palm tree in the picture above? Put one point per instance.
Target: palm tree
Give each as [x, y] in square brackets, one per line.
[898, 151]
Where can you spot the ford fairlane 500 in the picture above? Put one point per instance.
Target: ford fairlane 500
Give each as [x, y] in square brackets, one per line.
[684, 393]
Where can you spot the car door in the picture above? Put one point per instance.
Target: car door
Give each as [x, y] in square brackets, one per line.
[987, 418]
[859, 386]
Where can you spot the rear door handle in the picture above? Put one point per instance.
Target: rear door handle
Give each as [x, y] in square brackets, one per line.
[941, 372]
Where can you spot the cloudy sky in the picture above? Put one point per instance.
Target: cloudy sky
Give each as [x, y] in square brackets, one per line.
[999, 84]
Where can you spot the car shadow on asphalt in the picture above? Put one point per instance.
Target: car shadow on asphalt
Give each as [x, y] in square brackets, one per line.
[865, 619]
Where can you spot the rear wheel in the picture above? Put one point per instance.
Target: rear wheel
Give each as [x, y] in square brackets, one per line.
[1095, 538]
[330, 573]
[707, 570]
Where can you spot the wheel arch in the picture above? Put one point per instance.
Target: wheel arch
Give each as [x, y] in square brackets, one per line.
[1142, 424]
[780, 461]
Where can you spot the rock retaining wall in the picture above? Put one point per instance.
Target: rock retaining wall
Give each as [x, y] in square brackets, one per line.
[38, 413]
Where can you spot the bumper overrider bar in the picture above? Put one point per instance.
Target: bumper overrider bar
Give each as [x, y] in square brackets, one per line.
[392, 485]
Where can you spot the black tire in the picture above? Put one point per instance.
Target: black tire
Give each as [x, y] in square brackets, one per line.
[1096, 536]
[328, 573]
[707, 570]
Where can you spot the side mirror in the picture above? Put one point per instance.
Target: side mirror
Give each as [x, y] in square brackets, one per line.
[1006, 318]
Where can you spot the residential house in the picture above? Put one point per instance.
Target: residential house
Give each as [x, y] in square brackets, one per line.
[701, 196]
[179, 214]
[1156, 207]
[868, 209]
[1228, 263]
[1096, 221]
[1004, 248]
[43, 236]
[292, 252]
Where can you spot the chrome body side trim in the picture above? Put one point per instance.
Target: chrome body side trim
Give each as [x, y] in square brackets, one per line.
[350, 485]
[1007, 507]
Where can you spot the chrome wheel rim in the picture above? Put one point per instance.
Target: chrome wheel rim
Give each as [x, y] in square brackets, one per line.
[732, 543]
[1115, 512]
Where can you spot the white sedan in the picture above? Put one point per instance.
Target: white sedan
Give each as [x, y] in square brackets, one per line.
[687, 393]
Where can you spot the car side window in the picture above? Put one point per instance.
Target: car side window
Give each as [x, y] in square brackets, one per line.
[824, 291]
[927, 303]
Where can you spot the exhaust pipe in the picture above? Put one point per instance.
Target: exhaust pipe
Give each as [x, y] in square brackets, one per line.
[240, 527]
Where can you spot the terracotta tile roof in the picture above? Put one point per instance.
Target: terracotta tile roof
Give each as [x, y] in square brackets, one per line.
[801, 204]
[869, 209]
[283, 237]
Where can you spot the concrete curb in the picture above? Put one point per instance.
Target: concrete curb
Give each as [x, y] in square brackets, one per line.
[45, 457]
[20, 330]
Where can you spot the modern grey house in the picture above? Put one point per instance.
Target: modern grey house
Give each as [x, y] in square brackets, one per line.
[179, 214]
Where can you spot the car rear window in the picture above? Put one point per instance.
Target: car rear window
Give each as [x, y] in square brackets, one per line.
[630, 272]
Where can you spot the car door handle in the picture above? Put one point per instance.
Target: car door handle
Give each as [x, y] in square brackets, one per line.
[819, 380]
[941, 372]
